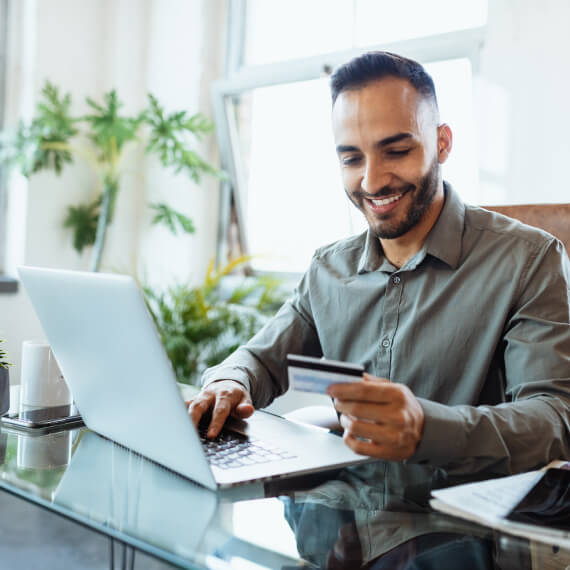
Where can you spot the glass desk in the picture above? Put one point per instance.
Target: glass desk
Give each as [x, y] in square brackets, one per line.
[372, 516]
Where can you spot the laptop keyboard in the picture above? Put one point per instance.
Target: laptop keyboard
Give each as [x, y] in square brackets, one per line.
[230, 450]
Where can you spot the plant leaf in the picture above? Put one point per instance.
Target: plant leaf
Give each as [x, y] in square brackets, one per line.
[3, 362]
[110, 131]
[82, 221]
[172, 219]
[29, 148]
[170, 137]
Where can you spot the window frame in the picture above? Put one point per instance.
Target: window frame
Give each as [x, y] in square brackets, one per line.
[240, 78]
[7, 284]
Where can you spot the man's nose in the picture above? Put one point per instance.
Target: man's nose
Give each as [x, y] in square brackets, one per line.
[375, 177]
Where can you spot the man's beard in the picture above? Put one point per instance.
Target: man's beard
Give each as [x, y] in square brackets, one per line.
[425, 194]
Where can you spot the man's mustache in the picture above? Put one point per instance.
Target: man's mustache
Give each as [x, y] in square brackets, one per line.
[384, 192]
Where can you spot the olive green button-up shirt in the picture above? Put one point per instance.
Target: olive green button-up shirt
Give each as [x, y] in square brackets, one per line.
[476, 324]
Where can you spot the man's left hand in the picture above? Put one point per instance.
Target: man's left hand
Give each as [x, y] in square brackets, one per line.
[380, 419]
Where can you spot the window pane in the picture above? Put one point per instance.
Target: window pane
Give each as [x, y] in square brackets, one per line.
[280, 31]
[382, 21]
[294, 201]
[453, 83]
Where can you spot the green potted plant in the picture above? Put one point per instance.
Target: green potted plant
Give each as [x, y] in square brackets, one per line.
[55, 137]
[4, 382]
[200, 326]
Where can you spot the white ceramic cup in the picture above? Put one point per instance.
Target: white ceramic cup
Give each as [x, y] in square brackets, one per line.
[41, 381]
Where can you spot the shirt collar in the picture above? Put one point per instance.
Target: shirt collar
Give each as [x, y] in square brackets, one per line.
[443, 241]
[372, 257]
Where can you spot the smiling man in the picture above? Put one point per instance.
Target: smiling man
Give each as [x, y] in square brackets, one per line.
[460, 316]
[390, 145]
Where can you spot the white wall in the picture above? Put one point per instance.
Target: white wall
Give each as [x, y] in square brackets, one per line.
[523, 102]
[171, 48]
[189, 55]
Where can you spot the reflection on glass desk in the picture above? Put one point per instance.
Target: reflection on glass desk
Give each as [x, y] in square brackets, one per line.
[374, 516]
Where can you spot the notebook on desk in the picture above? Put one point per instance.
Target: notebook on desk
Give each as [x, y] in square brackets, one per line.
[110, 353]
[534, 505]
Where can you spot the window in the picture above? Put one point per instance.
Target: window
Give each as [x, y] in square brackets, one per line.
[273, 112]
[282, 31]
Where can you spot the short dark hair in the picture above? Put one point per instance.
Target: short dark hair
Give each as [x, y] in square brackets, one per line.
[376, 65]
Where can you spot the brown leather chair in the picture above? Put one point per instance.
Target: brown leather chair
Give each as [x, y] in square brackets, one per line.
[553, 218]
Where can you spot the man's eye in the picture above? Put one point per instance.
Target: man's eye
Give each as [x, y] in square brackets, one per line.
[349, 160]
[398, 152]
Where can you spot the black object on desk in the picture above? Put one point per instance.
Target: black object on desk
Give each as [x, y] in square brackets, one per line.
[547, 503]
[44, 420]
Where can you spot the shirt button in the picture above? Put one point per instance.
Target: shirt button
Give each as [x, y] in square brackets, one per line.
[385, 343]
[396, 279]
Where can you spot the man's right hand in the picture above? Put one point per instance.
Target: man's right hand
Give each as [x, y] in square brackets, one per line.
[223, 397]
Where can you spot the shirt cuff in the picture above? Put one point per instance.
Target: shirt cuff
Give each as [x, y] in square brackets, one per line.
[444, 437]
[221, 372]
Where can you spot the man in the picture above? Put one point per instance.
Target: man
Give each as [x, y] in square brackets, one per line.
[461, 316]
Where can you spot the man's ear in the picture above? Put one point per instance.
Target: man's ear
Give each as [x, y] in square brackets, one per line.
[444, 142]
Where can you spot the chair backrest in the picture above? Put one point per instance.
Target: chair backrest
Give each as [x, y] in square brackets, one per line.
[553, 218]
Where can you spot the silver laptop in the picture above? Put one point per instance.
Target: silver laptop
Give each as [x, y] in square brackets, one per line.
[110, 353]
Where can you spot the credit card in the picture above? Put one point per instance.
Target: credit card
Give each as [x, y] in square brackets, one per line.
[309, 374]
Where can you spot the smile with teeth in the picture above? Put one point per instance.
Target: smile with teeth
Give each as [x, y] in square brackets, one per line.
[386, 201]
